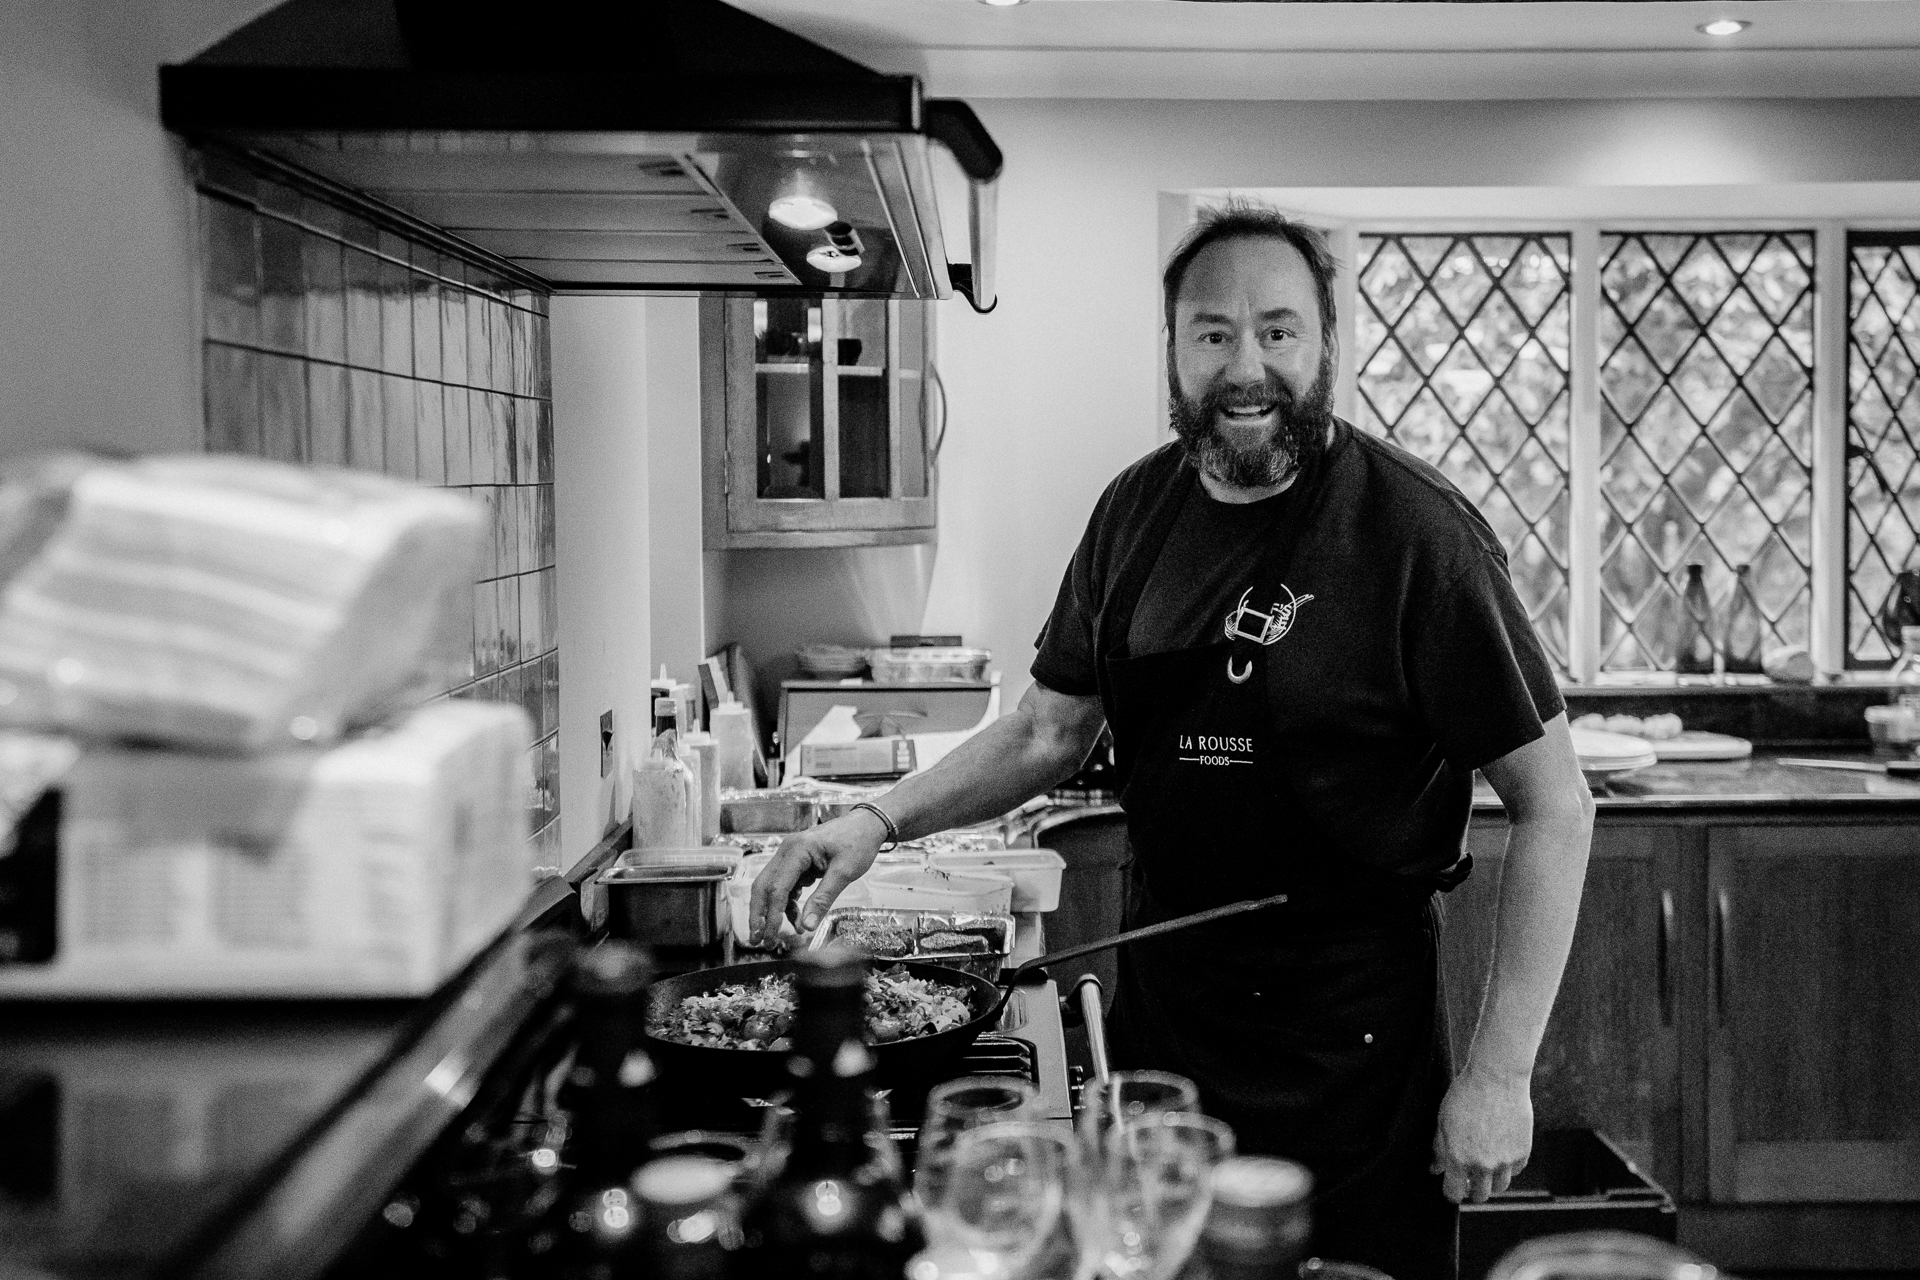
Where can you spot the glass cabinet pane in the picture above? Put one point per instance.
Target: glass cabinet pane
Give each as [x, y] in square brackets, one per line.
[866, 445]
[915, 400]
[788, 378]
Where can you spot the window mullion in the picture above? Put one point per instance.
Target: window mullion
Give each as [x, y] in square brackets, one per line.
[1344, 240]
[1827, 641]
[1583, 478]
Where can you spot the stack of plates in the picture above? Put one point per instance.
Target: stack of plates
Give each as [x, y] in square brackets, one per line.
[1608, 755]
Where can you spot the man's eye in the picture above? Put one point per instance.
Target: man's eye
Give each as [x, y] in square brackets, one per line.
[1279, 335]
[1213, 339]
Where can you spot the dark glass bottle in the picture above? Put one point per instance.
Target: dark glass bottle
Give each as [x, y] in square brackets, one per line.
[1743, 630]
[1259, 1224]
[832, 1205]
[691, 1218]
[1693, 648]
[589, 1228]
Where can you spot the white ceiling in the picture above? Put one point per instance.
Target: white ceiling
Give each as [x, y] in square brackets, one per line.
[1560, 49]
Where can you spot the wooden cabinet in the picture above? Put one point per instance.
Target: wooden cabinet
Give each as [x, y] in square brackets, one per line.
[1814, 1013]
[1610, 1058]
[821, 422]
[1741, 1007]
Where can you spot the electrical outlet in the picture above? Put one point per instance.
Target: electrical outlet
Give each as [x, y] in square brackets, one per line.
[606, 743]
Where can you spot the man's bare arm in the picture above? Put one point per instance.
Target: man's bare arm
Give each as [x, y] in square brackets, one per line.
[1004, 765]
[1486, 1122]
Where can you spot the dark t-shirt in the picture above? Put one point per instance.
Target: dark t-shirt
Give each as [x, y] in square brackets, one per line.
[1413, 664]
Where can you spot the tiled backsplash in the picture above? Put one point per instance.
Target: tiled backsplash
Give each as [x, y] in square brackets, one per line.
[330, 339]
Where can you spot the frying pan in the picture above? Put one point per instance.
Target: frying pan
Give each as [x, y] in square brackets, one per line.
[760, 1073]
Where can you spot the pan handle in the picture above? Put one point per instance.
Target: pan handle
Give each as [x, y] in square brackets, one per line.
[1135, 935]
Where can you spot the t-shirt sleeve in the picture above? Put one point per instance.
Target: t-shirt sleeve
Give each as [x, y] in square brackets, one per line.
[1065, 659]
[1478, 673]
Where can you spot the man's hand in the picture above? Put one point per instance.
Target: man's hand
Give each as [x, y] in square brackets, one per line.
[835, 853]
[1485, 1135]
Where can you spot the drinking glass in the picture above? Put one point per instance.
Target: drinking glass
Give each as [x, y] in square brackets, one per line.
[955, 1106]
[1002, 1200]
[1155, 1185]
[1128, 1095]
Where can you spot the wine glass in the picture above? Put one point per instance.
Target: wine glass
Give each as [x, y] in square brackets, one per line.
[1128, 1095]
[1002, 1198]
[955, 1106]
[1155, 1185]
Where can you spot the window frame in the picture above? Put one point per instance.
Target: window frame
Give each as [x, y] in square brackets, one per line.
[1586, 510]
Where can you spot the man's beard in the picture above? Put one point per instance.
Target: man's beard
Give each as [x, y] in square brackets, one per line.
[1299, 436]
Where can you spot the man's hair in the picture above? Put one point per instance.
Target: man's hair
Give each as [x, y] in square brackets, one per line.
[1245, 220]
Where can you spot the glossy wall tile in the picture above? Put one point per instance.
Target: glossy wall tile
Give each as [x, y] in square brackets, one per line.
[334, 341]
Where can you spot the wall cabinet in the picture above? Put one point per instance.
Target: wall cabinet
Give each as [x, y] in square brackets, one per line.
[1741, 1007]
[821, 423]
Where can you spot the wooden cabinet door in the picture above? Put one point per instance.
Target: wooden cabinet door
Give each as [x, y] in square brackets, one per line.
[817, 422]
[1814, 1013]
[1610, 1057]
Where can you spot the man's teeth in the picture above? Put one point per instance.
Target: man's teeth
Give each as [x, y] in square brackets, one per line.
[1258, 412]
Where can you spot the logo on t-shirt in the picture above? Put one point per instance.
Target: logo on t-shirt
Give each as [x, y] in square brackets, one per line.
[1273, 624]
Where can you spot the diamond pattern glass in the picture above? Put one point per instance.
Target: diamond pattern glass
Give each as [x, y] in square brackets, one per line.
[1706, 394]
[1463, 346]
[1883, 431]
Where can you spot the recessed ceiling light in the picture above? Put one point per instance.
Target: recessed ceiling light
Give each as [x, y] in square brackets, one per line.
[1003, 4]
[802, 212]
[831, 260]
[1723, 27]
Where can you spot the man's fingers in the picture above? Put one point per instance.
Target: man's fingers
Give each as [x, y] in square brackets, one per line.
[836, 879]
[1480, 1186]
[1454, 1183]
[771, 890]
[1502, 1179]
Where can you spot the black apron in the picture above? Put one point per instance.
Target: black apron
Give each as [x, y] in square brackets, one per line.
[1313, 1029]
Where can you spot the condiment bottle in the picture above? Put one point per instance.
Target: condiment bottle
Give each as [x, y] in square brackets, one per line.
[1906, 672]
[1743, 629]
[1693, 649]
[733, 735]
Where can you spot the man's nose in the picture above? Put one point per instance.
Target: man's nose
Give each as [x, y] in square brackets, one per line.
[1246, 367]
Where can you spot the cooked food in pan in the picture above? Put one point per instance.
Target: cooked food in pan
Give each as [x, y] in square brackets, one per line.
[759, 1015]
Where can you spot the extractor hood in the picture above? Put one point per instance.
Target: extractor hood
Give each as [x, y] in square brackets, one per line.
[646, 146]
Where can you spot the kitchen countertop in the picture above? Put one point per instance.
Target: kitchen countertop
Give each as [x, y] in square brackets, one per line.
[1758, 783]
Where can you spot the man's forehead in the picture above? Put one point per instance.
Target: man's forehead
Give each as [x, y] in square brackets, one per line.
[1268, 272]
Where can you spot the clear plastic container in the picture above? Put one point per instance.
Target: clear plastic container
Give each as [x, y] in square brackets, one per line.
[926, 666]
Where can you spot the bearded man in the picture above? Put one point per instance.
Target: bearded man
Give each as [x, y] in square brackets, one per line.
[1305, 642]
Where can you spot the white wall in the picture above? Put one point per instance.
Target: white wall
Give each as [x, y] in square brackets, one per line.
[1060, 387]
[601, 477]
[99, 342]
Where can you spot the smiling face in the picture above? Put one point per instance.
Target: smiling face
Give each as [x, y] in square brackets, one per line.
[1251, 368]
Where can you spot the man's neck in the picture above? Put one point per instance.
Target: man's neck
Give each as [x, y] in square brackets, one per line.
[1221, 491]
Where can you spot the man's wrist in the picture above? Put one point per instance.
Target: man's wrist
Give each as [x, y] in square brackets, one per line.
[888, 831]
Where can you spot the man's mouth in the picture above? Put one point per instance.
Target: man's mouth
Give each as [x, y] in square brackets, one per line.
[1247, 415]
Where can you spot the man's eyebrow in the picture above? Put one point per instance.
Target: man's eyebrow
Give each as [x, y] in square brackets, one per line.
[1216, 317]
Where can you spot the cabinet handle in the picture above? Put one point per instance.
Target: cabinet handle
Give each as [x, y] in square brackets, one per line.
[1723, 913]
[1667, 944]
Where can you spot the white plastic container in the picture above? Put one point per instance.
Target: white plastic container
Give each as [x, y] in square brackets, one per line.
[931, 889]
[1036, 873]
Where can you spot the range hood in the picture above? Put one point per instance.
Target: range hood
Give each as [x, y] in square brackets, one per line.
[647, 146]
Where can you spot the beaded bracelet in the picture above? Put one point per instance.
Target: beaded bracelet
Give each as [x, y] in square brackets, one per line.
[893, 832]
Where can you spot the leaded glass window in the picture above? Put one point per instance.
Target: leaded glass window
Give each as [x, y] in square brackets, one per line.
[1706, 381]
[1462, 352]
[1883, 430]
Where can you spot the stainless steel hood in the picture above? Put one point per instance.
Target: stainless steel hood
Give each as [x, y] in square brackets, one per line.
[651, 146]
